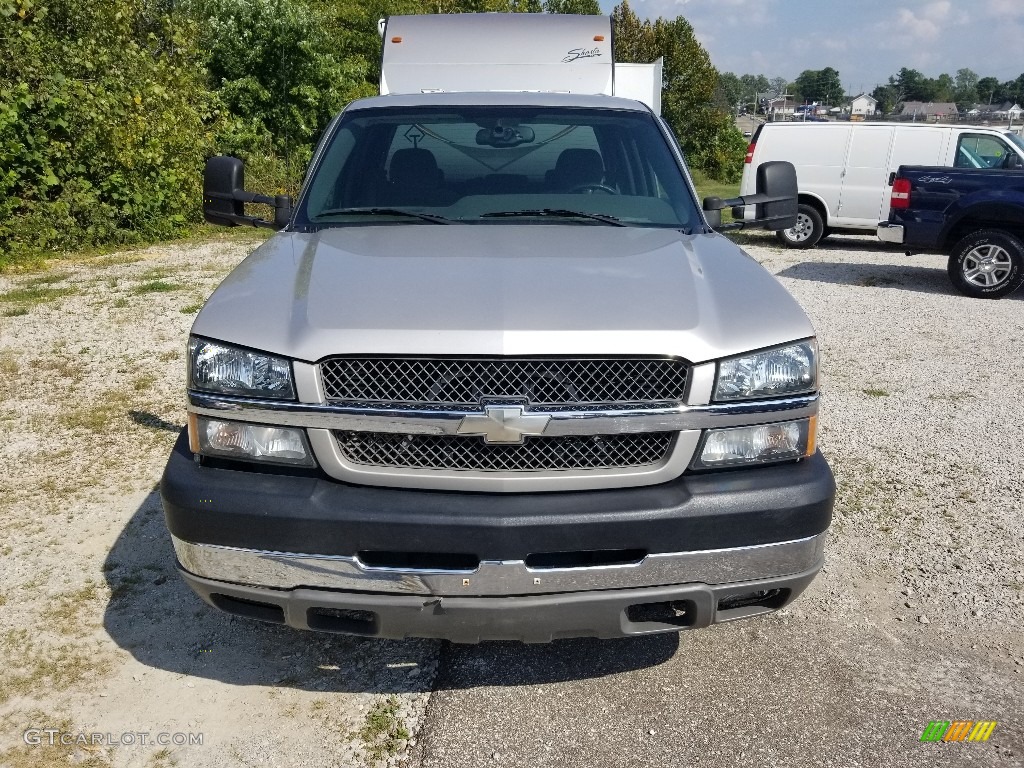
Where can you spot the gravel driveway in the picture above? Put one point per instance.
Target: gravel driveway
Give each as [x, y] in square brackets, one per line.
[918, 615]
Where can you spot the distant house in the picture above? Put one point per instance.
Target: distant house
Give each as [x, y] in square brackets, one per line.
[779, 105]
[930, 110]
[1008, 109]
[863, 105]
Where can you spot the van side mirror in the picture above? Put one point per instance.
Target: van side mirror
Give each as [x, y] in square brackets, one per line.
[224, 197]
[775, 202]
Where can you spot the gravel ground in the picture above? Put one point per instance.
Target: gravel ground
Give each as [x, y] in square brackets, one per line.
[917, 616]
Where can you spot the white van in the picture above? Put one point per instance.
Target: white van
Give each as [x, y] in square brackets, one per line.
[843, 168]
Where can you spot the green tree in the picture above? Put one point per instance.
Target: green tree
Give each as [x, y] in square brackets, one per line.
[912, 86]
[965, 89]
[730, 91]
[584, 7]
[822, 86]
[276, 69]
[707, 134]
[105, 120]
[883, 94]
[943, 88]
[989, 90]
[778, 86]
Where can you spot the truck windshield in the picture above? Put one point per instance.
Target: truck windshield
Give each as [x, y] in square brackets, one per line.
[1016, 140]
[511, 165]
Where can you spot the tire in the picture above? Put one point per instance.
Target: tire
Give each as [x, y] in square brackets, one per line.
[808, 231]
[987, 264]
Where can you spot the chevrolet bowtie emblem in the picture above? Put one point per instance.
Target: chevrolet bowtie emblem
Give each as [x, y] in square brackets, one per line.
[503, 424]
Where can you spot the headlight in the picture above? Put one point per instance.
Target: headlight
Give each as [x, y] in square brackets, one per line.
[226, 370]
[763, 444]
[249, 442]
[789, 370]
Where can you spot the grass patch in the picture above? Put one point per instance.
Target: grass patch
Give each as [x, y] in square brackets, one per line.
[144, 382]
[710, 188]
[954, 397]
[35, 282]
[112, 405]
[32, 295]
[116, 260]
[28, 667]
[384, 734]
[66, 610]
[158, 273]
[191, 309]
[120, 303]
[55, 755]
[68, 370]
[16, 312]
[875, 392]
[157, 286]
[8, 364]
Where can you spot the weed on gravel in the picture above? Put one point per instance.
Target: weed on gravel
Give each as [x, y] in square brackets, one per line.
[33, 295]
[384, 733]
[157, 286]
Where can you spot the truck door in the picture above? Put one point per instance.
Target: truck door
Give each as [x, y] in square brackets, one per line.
[864, 176]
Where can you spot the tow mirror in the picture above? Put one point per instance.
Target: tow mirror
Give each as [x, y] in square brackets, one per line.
[224, 197]
[775, 202]
[777, 181]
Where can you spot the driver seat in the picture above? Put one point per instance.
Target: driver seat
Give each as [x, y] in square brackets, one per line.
[575, 167]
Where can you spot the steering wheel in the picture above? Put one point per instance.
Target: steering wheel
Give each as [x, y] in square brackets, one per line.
[594, 187]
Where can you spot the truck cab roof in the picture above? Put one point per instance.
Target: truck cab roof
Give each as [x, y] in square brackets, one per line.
[500, 98]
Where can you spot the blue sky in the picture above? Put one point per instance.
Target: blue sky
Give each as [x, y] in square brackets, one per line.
[866, 40]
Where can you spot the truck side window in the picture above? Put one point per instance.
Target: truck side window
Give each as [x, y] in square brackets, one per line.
[976, 151]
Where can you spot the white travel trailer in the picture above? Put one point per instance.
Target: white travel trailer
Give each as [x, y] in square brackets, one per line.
[843, 168]
[469, 52]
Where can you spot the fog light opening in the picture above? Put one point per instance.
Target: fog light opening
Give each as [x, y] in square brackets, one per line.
[763, 598]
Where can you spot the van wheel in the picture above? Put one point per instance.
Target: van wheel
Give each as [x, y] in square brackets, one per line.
[808, 230]
[987, 264]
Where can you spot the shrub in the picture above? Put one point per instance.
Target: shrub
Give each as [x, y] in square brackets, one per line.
[105, 120]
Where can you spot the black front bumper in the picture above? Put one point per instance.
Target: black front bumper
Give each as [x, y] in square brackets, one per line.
[311, 514]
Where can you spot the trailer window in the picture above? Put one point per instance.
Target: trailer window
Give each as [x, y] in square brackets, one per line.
[470, 164]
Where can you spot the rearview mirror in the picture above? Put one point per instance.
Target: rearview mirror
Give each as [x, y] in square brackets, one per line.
[505, 135]
[224, 197]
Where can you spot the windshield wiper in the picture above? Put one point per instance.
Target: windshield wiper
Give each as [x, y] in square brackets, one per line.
[432, 218]
[559, 213]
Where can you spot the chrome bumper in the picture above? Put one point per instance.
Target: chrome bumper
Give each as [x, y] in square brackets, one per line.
[286, 571]
[890, 233]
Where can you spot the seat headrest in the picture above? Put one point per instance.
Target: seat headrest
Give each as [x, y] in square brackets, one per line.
[413, 166]
[579, 166]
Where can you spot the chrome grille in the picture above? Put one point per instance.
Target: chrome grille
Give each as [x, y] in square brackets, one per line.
[462, 383]
[472, 453]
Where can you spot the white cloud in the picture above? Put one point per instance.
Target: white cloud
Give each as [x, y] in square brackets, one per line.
[1006, 9]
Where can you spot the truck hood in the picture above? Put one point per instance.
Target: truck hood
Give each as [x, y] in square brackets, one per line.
[501, 289]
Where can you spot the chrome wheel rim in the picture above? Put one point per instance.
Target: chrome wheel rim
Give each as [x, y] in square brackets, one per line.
[987, 266]
[803, 229]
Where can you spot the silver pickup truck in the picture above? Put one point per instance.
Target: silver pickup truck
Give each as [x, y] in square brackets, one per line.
[496, 377]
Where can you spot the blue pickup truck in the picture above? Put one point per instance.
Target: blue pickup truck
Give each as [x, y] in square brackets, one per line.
[975, 215]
